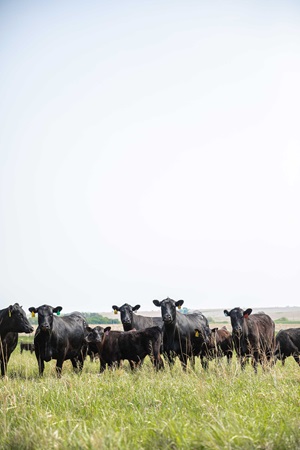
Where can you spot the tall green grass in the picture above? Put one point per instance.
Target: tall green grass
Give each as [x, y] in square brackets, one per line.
[222, 408]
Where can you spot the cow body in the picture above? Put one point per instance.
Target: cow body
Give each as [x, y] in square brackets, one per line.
[26, 346]
[288, 344]
[116, 346]
[178, 331]
[253, 335]
[131, 321]
[59, 338]
[13, 320]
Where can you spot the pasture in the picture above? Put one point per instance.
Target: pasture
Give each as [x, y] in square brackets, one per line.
[222, 408]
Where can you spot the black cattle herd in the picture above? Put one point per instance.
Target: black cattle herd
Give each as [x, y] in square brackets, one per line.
[164, 338]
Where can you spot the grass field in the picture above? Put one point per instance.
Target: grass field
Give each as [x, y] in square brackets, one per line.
[222, 408]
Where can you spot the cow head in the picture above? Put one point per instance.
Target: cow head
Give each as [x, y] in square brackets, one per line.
[237, 317]
[126, 312]
[96, 335]
[45, 318]
[168, 309]
[17, 320]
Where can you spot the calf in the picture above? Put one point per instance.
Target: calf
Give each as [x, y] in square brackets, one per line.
[26, 346]
[13, 320]
[59, 338]
[288, 344]
[115, 346]
[220, 344]
[178, 331]
[253, 335]
[132, 321]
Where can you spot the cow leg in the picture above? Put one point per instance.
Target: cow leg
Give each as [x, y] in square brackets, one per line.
[296, 358]
[41, 366]
[77, 364]
[243, 362]
[133, 365]
[229, 357]
[183, 359]
[3, 367]
[158, 363]
[255, 361]
[102, 364]
[192, 362]
[3, 358]
[155, 357]
[80, 362]
[204, 363]
[170, 359]
[59, 364]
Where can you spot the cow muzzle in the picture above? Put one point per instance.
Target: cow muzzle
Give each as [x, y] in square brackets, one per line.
[167, 318]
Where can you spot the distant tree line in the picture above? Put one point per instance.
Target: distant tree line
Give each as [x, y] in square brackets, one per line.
[93, 318]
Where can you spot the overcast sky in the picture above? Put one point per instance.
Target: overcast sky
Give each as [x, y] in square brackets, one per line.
[147, 150]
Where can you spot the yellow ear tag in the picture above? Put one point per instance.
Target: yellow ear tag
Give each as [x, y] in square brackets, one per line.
[9, 313]
[196, 333]
[32, 314]
[115, 311]
[179, 307]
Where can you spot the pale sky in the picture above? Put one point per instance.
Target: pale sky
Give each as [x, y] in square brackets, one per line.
[149, 150]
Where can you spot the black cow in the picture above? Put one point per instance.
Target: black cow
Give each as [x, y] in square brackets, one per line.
[132, 321]
[59, 338]
[13, 320]
[178, 331]
[253, 336]
[26, 346]
[288, 344]
[134, 346]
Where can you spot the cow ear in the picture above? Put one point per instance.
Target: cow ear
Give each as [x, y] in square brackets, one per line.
[57, 310]
[156, 302]
[136, 307]
[247, 313]
[226, 313]
[33, 311]
[179, 303]
[213, 330]
[107, 330]
[115, 308]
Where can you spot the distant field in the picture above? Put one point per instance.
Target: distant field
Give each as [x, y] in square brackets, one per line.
[292, 314]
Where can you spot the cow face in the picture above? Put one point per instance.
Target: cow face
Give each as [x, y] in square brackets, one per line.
[96, 335]
[237, 317]
[126, 312]
[45, 318]
[168, 309]
[18, 321]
